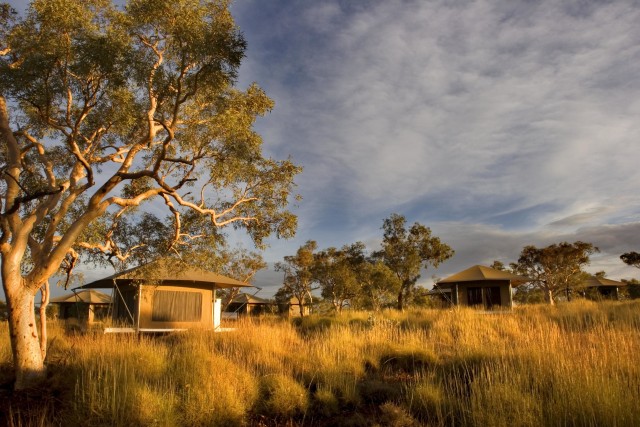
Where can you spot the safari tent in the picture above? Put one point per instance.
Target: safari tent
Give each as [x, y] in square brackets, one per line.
[602, 287]
[480, 286]
[86, 305]
[292, 309]
[165, 295]
[246, 304]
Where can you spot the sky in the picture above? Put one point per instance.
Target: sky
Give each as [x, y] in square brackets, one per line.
[498, 124]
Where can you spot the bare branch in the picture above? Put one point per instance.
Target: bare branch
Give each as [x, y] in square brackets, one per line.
[29, 197]
[135, 201]
[48, 164]
[212, 213]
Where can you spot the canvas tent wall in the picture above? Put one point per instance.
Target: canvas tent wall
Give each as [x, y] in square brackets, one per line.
[482, 287]
[166, 295]
[244, 304]
[293, 308]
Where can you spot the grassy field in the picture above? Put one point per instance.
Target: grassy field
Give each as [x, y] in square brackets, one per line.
[575, 364]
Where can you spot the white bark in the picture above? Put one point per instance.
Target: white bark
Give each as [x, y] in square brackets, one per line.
[27, 354]
[44, 302]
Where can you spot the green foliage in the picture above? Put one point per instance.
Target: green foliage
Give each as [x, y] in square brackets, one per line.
[498, 265]
[145, 92]
[632, 288]
[298, 275]
[407, 251]
[380, 286]
[336, 271]
[349, 276]
[556, 268]
[631, 258]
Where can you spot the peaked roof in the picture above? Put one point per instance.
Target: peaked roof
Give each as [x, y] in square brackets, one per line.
[165, 270]
[89, 296]
[593, 282]
[480, 273]
[250, 299]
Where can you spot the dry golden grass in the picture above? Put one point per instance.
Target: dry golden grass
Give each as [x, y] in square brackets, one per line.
[575, 364]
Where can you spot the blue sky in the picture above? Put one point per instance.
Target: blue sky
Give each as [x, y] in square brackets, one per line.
[498, 124]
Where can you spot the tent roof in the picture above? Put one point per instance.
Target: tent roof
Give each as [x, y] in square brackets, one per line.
[594, 282]
[167, 270]
[89, 296]
[250, 299]
[480, 273]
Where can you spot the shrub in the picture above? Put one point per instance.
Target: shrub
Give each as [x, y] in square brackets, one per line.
[282, 396]
[408, 360]
[393, 415]
[325, 402]
[427, 401]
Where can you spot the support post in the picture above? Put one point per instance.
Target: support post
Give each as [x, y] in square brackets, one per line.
[138, 308]
[510, 295]
[217, 306]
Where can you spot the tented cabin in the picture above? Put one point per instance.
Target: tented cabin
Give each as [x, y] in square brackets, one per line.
[480, 286]
[292, 309]
[246, 304]
[86, 306]
[602, 288]
[165, 295]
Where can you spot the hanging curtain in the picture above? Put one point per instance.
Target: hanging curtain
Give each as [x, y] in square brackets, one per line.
[176, 306]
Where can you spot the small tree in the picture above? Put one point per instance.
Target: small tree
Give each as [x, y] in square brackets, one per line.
[407, 251]
[556, 268]
[336, 271]
[298, 274]
[498, 265]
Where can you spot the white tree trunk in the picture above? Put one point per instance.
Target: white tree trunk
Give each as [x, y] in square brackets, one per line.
[548, 296]
[43, 319]
[27, 356]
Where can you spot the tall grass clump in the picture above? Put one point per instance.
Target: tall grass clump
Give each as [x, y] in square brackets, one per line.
[121, 379]
[211, 388]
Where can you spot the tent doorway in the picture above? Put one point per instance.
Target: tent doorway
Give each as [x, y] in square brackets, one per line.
[487, 297]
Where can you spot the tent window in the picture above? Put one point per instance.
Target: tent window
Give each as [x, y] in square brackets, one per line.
[174, 306]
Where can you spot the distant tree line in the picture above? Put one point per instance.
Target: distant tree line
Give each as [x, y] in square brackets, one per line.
[363, 279]
[558, 271]
[374, 279]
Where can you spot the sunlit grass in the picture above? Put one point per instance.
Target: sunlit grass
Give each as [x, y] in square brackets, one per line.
[574, 364]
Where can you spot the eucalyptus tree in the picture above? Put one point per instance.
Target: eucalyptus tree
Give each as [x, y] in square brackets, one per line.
[107, 113]
[337, 274]
[407, 251]
[379, 285]
[556, 268]
[298, 277]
